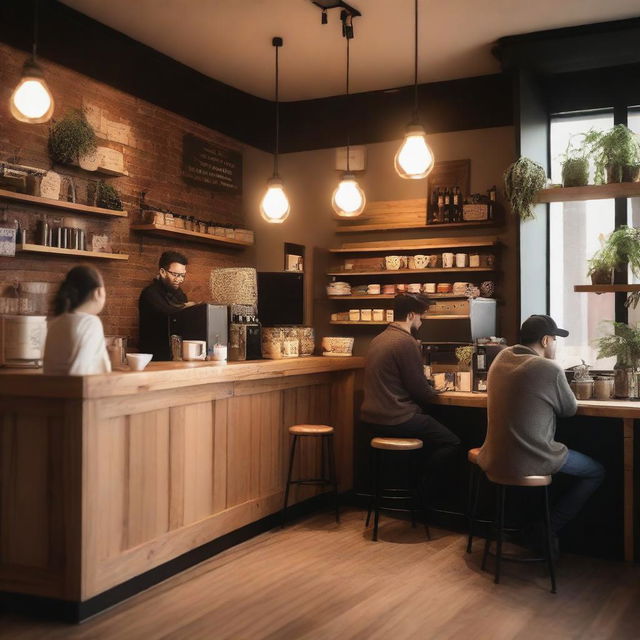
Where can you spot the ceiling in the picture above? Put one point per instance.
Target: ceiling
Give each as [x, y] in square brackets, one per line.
[230, 40]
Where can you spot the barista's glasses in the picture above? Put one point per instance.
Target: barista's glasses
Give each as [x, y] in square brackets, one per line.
[177, 276]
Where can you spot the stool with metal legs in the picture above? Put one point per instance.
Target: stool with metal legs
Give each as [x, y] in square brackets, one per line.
[502, 484]
[382, 447]
[328, 475]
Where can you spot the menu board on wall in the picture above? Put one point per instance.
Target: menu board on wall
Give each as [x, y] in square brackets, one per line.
[205, 164]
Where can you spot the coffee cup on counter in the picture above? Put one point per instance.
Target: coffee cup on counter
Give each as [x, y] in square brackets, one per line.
[194, 350]
[138, 361]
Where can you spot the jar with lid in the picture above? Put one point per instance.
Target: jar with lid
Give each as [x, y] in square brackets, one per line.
[291, 343]
[603, 387]
[307, 341]
[583, 388]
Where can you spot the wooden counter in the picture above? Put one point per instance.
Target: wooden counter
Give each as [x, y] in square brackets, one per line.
[105, 477]
[626, 410]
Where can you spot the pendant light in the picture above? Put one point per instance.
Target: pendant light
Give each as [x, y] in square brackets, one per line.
[31, 100]
[414, 159]
[274, 206]
[348, 199]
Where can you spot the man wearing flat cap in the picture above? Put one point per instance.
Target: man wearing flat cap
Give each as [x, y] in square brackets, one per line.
[526, 391]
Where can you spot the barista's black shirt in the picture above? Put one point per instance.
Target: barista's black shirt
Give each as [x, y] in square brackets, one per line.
[156, 303]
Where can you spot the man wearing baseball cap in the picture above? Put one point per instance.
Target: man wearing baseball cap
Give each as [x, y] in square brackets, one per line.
[526, 391]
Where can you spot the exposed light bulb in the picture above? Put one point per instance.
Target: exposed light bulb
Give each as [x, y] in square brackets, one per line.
[348, 199]
[32, 101]
[274, 206]
[414, 159]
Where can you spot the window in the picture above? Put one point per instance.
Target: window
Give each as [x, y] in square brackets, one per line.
[574, 230]
[633, 210]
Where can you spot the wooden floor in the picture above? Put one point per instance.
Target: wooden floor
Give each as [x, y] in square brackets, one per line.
[319, 580]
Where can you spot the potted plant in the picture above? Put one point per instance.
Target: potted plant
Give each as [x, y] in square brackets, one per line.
[522, 181]
[616, 152]
[624, 345]
[107, 197]
[71, 138]
[621, 247]
[575, 166]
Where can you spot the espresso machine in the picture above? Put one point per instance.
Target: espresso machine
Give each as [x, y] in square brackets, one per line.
[206, 322]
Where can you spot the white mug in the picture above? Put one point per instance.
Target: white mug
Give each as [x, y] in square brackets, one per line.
[393, 263]
[220, 352]
[421, 261]
[447, 260]
[194, 350]
[461, 260]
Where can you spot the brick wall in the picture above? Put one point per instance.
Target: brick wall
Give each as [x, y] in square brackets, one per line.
[151, 140]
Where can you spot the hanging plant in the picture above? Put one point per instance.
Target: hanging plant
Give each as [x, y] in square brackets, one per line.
[107, 197]
[71, 138]
[522, 181]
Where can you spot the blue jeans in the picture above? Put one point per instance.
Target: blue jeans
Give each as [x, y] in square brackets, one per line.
[588, 476]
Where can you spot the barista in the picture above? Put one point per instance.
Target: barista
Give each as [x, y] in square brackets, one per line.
[162, 298]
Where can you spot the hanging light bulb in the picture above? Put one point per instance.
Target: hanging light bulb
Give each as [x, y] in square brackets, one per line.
[414, 159]
[348, 199]
[31, 100]
[274, 206]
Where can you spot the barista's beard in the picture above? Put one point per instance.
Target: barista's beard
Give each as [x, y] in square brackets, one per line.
[414, 332]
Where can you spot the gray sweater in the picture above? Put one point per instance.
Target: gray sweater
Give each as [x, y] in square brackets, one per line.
[395, 388]
[525, 393]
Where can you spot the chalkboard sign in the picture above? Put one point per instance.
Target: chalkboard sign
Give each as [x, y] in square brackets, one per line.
[205, 164]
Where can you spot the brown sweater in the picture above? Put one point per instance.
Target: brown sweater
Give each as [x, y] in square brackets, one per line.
[525, 393]
[395, 388]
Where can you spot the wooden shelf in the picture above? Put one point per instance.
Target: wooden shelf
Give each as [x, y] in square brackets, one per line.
[433, 317]
[172, 232]
[406, 271]
[36, 248]
[386, 296]
[60, 204]
[590, 192]
[605, 288]
[452, 243]
[393, 226]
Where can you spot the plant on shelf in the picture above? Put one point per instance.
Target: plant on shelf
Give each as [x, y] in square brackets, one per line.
[107, 197]
[522, 181]
[624, 345]
[575, 166]
[621, 247]
[71, 138]
[616, 152]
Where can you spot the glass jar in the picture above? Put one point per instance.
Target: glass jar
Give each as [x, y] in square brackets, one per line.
[271, 342]
[307, 341]
[290, 344]
[603, 388]
[583, 388]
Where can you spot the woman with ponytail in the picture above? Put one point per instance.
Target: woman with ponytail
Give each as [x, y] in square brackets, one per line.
[75, 338]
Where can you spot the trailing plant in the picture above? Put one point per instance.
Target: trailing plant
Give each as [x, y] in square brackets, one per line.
[612, 150]
[71, 138]
[522, 181]
[623, 344]
[107, 197]
[575, 165]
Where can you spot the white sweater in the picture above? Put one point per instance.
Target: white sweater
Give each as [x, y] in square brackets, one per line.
[75, 346]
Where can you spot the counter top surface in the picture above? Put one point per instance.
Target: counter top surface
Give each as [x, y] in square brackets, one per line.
[604, 408]
[164, 375]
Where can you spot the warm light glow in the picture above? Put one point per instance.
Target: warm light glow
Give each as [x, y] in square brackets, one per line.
[414, 159]
[274, 206]
[348, 199]
[32, 101]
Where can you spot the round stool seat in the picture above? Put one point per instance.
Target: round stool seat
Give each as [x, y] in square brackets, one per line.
[310, 430]
[396, 444]
[472, 455]
[521, 481]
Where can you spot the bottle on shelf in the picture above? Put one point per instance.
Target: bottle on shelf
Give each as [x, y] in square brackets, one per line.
[492, 202]
[440, 216]
[432, 211]
[447, 206]
[455, 205]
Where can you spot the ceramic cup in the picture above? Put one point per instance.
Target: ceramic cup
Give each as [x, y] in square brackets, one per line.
[433, 261]
[194, 350]
[421, 261]
[429, 287]
[378, 315]
[474, 260]
[220, 352]
[389, 289]
[138, 361]
[414, 287]
[354, 315]
[461, 260]
[401, 288]
[365, 315]
[373, 289]
[392, 263]
[447, 260]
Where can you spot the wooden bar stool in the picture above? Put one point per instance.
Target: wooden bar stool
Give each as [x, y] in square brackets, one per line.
[475, 477]
[381, 447]
[502, 484]
[328, 475]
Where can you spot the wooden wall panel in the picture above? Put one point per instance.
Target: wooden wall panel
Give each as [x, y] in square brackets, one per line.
[220, 461]
[148, 475]
[239, 451]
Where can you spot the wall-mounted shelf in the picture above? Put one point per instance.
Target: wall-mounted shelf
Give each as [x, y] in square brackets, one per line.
[405, 271]
[23, 198]
[36, 248]
[606, 288]
[358, 228]
[416, 245]
[433, 317]
[590, 192]
[172, 232]
[384, 296]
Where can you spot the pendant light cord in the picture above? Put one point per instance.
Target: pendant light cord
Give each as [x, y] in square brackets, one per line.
[415, 65]
[275, 155]
[35, 28]
[348, 109]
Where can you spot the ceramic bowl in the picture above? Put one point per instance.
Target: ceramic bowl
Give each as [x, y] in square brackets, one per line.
[335, 344]
[138, 361]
